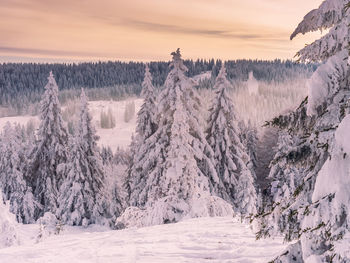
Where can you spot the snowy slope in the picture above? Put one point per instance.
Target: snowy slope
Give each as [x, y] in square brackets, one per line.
[195, 240]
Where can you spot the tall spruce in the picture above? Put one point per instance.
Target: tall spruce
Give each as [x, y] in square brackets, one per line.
[47, 165]
[236, 183]
[81, 199]
[146, 122]
[315, 214]
[146, 117]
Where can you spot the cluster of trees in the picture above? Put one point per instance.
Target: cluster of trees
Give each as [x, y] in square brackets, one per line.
[21, 83]
[51, 171]
[177, 165]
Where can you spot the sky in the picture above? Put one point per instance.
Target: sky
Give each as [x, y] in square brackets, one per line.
[149, 30]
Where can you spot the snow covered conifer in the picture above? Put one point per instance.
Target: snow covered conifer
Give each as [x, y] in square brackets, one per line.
[12, 182]
[231, 159]
[81, 199]
[146, 117]
[316, 214]
[146, 120]
[47, 164]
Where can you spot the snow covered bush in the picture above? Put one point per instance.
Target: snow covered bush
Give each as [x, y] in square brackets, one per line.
[172, 209]
[47, 226]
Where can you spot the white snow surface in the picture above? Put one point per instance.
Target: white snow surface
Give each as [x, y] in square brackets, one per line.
[220, 239]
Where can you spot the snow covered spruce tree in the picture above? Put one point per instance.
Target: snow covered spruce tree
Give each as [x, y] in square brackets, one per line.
[146, 122]
[12, 182]
[48, 158]
[173, 170]
[82, 194]
[146, 117]
[316, 151]
[236, 183]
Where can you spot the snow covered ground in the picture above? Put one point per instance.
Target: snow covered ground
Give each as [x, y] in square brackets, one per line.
[194, 240]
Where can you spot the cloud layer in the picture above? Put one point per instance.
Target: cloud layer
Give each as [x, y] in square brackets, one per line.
[149, 30]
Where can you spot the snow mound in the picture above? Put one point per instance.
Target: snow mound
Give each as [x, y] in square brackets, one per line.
[171, 209]
[8, 224]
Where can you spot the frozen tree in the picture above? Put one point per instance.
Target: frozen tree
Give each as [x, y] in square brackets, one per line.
[173, 166]
[223, 134]
[8, 232]
[146, 117]
[146, 120]
[129, 111]
[81, 199]
[47, 164]
[106, 155]
[253, 84]
[251, 144]
[107, 120]
[315, 152]
[12, 182]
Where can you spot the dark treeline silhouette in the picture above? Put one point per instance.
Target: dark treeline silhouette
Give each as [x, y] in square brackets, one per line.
[21, 84]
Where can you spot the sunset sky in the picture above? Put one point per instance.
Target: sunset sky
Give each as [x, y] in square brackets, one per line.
[88, 30]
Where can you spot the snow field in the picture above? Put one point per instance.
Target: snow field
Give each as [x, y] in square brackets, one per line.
[220, 239]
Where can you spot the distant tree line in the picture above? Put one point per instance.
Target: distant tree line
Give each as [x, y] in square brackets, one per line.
[21, 84]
